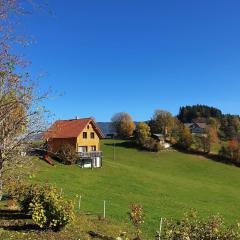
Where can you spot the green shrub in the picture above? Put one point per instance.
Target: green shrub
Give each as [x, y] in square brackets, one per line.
[192, 227]
[23, 193]
[202, 143]
[184, 138]
[142, 133]
[46, 206]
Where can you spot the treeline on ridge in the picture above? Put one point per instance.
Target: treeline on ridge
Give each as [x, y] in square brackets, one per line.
[221, 130]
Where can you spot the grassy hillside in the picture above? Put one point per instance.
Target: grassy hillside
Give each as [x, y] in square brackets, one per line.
[166, 184]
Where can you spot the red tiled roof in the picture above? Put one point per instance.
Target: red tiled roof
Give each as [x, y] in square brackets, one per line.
[71, 128]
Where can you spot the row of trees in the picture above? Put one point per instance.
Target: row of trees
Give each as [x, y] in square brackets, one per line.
[176, 133]
[189, 114]
[228, 126]
[225, 127]
[163, 122]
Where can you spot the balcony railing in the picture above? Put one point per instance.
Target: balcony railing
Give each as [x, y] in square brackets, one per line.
[90, 154]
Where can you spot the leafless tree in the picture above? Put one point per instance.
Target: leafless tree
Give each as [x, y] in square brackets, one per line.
[21, 114]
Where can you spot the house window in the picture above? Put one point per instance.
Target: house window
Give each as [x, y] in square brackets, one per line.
[82, 149]
[84, 134]
[93, 148]
[92, 135]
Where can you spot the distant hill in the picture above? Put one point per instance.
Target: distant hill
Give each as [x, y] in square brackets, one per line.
[36, 137]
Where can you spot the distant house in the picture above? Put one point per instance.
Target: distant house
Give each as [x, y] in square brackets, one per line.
[161, 139]
[197, 128]
[83, 134]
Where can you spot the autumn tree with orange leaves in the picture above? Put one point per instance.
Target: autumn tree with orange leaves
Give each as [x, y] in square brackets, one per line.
[231, 151]
[123, 124]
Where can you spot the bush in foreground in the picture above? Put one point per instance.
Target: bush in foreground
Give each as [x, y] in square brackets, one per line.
[192, 227]
[46, 206]
[136, 218]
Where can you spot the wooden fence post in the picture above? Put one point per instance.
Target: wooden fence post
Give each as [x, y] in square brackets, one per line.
[160, 229]
[79, 202]
[104, 209]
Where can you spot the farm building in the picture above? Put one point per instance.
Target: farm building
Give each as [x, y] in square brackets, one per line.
[83, 134]
[161, 140]
[196, 128]
[107, 129]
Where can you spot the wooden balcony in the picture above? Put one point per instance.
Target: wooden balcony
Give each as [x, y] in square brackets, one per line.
[90, 154]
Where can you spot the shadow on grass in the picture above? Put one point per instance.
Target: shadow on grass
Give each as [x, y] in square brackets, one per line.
[99, 236]
[19, 228]
[13, 215]
[14, 220]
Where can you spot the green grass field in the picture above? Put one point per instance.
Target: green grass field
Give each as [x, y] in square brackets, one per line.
[167, 184]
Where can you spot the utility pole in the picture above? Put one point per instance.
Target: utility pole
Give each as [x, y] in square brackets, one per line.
[114, 152]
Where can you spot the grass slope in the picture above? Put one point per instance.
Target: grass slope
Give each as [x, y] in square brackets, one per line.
[166, 184]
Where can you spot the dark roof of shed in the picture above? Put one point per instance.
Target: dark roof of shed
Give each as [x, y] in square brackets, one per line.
[201, 125]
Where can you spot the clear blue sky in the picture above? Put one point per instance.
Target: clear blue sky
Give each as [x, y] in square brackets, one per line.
[136, 56]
